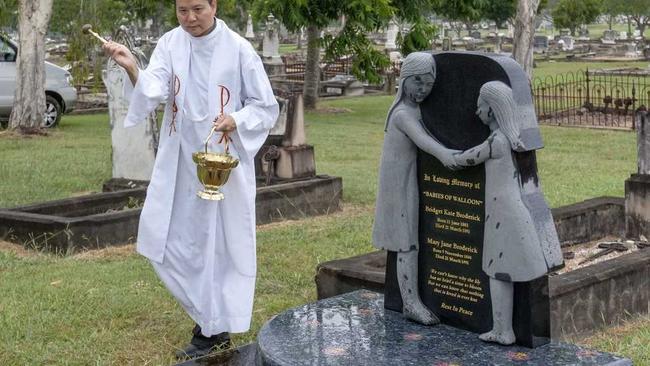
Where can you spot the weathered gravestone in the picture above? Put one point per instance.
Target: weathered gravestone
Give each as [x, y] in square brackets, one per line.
[271, 47]
[569, 43]
[632, 50]
[391, 35]
[285, 154]
[250, 33]
[540, 44]
[452, 214]
[609, 36]
[637, 187]
[134, 149]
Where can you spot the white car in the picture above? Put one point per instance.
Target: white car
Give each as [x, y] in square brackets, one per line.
[61, 96]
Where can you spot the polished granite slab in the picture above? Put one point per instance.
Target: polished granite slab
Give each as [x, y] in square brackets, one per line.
[241, 356]
[355, 329]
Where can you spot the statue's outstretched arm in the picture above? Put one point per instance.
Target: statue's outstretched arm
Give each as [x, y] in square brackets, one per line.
[414, 129]
[478, 154]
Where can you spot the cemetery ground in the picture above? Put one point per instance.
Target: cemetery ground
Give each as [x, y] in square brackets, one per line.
[107, 306]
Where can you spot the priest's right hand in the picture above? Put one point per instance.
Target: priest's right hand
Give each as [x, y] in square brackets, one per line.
[123, 57]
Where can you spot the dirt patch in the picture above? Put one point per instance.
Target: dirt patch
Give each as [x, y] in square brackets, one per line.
[17, 249]
[333, 110]
[348, 210]
[114, 252]
[30, 134]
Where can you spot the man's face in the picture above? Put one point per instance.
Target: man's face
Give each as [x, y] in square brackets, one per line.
[196, 16]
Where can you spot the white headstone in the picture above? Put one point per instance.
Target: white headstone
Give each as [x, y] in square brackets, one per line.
[632, 50]
[250, 34]
[271, 45]
[391, 35]
[134, 149]
[568, 43]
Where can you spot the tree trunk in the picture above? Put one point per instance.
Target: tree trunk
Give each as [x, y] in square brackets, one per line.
[629, 27]
[525, 34]
[610, 22]
[641, 27]
[299, 42]
[29, 99]
[312, 69]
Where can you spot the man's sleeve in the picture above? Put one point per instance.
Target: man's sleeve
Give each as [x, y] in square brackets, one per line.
[260, 110]
[151, 88]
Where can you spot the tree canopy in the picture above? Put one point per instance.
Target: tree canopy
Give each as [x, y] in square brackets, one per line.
[7, 14]
[573, 13]
[361, 17]
[638, 11]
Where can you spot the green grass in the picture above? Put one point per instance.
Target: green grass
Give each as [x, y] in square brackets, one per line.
[75, 158]
[110, 309]
[595, 30]
[288, 48]
[546, 69]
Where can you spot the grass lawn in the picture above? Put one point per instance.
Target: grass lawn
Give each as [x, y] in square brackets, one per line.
[551, 69]
[108, 308]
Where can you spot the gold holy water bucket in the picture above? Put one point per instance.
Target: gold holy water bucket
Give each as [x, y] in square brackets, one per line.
[213, 169]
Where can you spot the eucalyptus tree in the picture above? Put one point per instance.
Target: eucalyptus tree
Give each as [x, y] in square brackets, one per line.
[573, 13]
[8, 11]
[235, 12]
[460, 12]
[522, 50]
[611, 9]
[500, 11]
[638, 11]
[361, 17]
[29, 98]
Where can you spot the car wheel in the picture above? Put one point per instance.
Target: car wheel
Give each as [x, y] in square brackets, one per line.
[52, 112]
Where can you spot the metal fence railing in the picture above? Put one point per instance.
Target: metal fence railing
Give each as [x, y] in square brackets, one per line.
[593, 98]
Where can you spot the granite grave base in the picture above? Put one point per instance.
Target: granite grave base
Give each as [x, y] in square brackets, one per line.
[241, 356]
[581, 301]
[356, 329]
[104, 219]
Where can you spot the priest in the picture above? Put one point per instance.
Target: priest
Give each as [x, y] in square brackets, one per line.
[203, 251]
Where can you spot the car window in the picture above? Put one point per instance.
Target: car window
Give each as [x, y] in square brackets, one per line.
[7, 54]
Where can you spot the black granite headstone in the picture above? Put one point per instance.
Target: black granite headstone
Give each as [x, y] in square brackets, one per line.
[452, 215]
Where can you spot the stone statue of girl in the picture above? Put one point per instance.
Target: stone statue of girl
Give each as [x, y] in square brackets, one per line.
[396, 216]
[511, 246]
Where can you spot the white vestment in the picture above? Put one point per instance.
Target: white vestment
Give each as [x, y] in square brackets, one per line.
[204, 251]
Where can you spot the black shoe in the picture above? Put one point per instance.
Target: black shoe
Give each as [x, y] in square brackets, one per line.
[202, 345]
[192, 351]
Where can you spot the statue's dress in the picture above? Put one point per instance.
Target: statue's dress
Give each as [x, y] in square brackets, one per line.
[396, 212]
[511, 247]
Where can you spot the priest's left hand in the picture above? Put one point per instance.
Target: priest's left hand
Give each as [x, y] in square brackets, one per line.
[225, 123]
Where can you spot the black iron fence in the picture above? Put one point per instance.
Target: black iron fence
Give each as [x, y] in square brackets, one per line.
[295, 70]
[592, 98]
